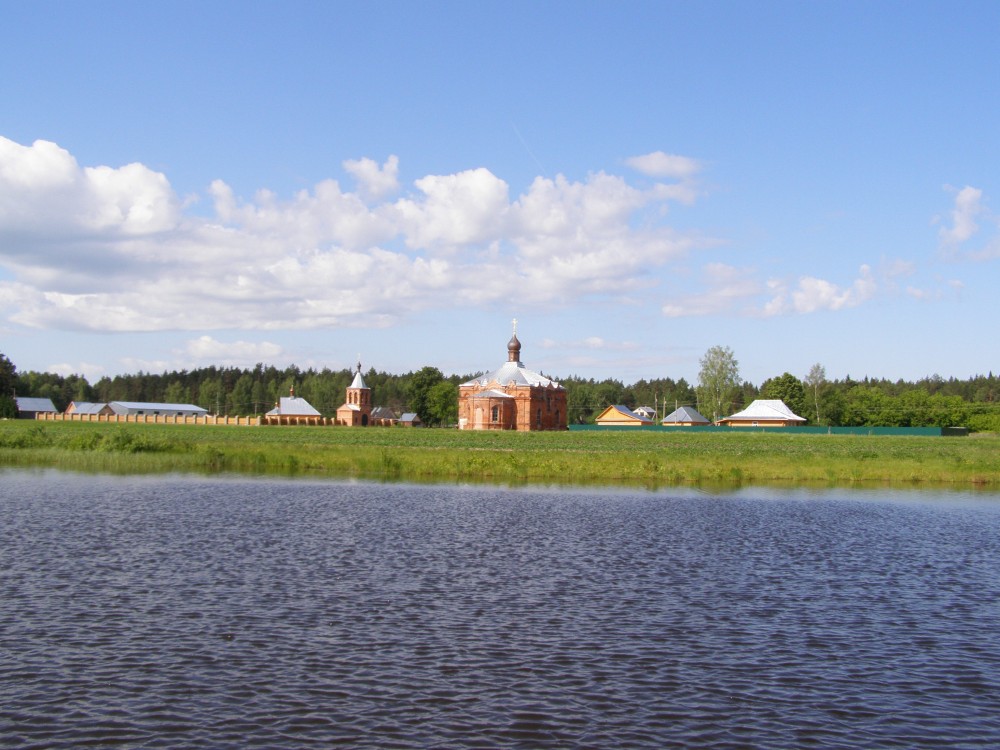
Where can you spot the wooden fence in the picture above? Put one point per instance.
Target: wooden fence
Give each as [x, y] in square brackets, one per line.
[207, 419]
[258, 421]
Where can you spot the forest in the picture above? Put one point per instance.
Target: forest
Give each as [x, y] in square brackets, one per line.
[930, 401]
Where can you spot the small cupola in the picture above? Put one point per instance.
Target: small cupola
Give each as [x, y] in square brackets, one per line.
[514, 346]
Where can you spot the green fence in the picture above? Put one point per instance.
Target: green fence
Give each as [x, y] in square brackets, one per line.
[922, 431]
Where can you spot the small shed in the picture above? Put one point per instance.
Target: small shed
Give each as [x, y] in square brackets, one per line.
[685, 416]
[383, 416]
[621, 416]
[410, 419]
[88, 408]
[764, 413]
[30, 407]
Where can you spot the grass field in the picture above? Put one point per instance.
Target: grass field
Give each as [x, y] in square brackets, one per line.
[588, 457]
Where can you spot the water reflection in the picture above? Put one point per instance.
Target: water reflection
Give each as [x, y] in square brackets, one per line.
[179, 611]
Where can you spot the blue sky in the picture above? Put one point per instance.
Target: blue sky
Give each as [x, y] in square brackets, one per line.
[186, 184]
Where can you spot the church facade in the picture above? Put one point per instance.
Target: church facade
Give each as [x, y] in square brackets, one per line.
[512, 397]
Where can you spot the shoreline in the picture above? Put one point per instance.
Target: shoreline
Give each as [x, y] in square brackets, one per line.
[572, 458]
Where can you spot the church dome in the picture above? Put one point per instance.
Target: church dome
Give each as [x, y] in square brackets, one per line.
[513, 349]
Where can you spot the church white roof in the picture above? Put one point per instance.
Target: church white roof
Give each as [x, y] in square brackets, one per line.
[358, 382]
[516, 373]
[767, 409]
[293, 406]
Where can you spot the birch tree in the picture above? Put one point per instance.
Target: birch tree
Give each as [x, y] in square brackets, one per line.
[815, 380]
[718, 380]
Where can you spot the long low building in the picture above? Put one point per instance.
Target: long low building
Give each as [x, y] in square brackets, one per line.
[140, 408]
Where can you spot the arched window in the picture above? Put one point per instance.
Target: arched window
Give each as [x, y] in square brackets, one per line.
[496, 413]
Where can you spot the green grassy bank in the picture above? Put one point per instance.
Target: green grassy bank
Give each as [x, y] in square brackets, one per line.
[591, 457]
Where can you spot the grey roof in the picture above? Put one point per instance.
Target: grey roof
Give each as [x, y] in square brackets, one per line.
[383, 412]
[410, 416]
[513, 372]
[358, 382]
[767, 409]
[87, 407]
[685, 414]
[293, 406]
[29, 403]
[123, 406]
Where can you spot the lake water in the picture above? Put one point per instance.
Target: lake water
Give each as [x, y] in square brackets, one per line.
[166, 612]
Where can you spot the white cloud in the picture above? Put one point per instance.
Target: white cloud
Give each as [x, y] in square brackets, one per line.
[731, 290]
[968, 205]
[968, 212]
[375, 182]
[597, 343]
[113, 249]
[88, 370]
[208, 349]
[812, 294]
[660, 164]
[458, 209]
[44, 190]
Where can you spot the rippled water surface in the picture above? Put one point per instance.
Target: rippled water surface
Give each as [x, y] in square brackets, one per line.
[229, 613]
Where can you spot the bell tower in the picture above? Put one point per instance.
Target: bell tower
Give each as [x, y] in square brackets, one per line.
[357, 409]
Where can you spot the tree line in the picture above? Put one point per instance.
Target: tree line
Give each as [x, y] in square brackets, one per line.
[868, 402]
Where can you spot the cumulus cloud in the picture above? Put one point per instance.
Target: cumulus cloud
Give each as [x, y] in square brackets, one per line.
[374, 182]
[45, 192]
[113, 249]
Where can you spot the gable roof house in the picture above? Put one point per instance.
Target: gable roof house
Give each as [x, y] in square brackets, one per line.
[764, 413]
[685, 416]
[29, 407]
[621, 416]
[645, 411]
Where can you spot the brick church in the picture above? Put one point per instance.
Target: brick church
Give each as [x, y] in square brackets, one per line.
[512, 397]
